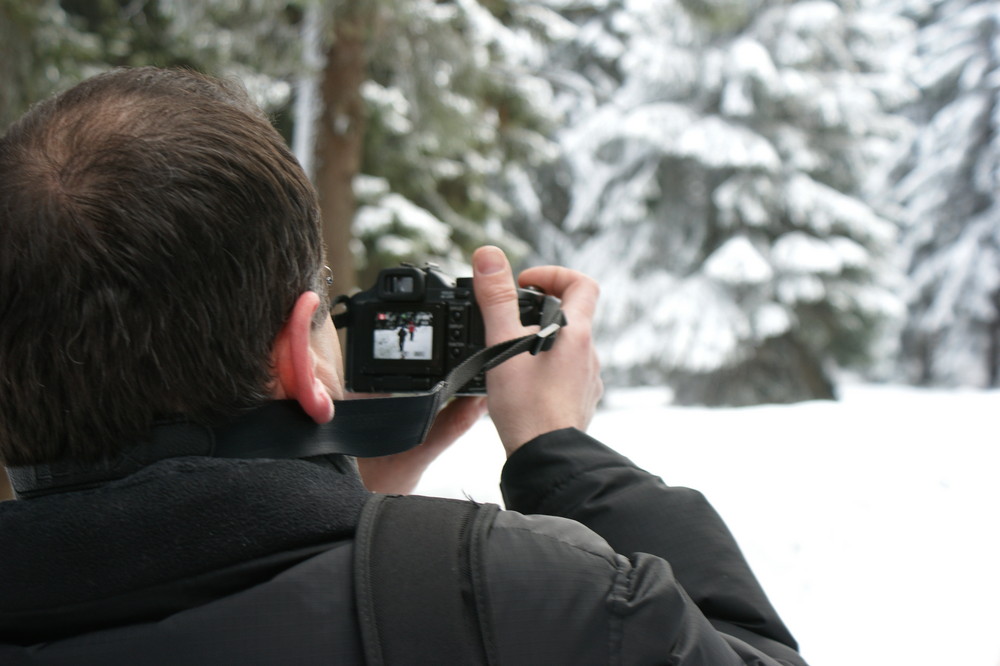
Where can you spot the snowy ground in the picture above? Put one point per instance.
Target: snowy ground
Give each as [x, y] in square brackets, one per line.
[872, 522]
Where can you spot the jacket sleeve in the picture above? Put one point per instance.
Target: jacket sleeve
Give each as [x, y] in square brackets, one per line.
[684, 594]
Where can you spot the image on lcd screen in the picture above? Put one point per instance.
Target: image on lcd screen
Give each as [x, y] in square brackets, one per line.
[404, 336]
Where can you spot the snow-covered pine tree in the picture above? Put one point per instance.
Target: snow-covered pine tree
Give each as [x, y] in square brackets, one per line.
[947, 193]
[581, 49]
[715, 195]
[42, 50]
[254, 40]
[452, 100]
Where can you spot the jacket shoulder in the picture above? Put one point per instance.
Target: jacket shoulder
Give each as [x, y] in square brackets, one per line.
[559, 594]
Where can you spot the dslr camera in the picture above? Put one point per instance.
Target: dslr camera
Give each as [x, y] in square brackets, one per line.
[408, 331]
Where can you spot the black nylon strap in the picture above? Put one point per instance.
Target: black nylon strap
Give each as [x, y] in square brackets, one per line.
[419, 582]
[363, 428]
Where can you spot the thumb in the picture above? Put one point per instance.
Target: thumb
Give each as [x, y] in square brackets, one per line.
[496, 295]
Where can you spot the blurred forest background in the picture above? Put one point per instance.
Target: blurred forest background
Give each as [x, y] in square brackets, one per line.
[773, 195]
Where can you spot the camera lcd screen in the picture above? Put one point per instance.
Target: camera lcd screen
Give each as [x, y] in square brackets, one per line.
[403, 336]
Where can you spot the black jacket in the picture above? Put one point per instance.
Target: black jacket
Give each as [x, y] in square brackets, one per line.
[199, 560]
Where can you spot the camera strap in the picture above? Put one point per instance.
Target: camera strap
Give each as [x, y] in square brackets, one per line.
[372, 427]
[364, 428]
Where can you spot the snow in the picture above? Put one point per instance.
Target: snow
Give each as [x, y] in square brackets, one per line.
[812, 17]
[392, 103]
[798, 252]
[871, 522]
[658, 123]
[738, 262]
[696, 328]
[771, 320]
[741, 199]
[750, 58]
[715, 142]
[394, 208]
[821, 208]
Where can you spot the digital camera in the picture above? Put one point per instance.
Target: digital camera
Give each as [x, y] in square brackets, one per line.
[407, 332]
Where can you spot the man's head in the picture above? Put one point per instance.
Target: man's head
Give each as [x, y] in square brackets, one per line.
[155, 234]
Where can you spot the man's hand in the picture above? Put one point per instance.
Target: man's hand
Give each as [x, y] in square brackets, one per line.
[532, 395]
[400, 473]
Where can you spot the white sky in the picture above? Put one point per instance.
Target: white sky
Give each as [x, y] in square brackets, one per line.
[871, 522]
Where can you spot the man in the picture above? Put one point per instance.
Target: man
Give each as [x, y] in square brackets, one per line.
[160, 278]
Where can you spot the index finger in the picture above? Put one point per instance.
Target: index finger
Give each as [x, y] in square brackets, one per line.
[579, 293]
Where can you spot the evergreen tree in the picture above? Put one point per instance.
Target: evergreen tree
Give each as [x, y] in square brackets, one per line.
[717, 195]
[581, 43]
[424, 102]
[51, 44]
[40, 52]
[449, 105]
[946, 192]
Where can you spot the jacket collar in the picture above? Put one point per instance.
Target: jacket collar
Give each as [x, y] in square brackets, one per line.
[173, 535]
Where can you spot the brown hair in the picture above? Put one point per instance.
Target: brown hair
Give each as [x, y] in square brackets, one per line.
[155, 231]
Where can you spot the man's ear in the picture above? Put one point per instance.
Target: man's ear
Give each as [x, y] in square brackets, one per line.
[295, 362]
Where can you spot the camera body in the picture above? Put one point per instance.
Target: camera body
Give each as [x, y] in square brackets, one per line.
[408, 331]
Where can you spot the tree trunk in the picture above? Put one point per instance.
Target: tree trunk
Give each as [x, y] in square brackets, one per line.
[339, 141]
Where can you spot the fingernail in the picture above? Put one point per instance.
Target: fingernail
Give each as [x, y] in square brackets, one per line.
[489, 260]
